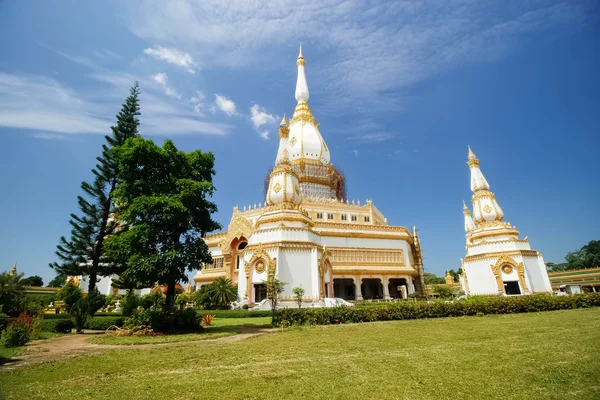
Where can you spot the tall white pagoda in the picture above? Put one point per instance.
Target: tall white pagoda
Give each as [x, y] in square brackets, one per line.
[307, 234]
[497, 261]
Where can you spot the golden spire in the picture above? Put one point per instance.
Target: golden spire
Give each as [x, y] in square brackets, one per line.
[466, 209]
[300, 60]
[13, 271]
[283, 121]
[473, 161]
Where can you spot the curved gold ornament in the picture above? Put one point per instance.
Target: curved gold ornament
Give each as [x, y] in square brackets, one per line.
[506, 261]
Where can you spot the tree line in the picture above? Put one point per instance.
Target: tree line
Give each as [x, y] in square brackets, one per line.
[586, 257]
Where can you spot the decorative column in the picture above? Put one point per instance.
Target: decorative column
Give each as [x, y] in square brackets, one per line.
[357, 291]
[410, 285]
[403, 292]
[386, 288]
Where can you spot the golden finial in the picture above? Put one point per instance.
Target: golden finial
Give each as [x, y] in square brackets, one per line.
[13, 271]
[300, 60]
[473, 161]
[466, 209]
[284, 131]
[283, 120]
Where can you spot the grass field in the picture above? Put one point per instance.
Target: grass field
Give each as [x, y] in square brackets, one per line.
[550, 355]
[134, 340]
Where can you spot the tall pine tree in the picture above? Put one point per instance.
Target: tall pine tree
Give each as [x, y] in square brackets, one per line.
[83, 253]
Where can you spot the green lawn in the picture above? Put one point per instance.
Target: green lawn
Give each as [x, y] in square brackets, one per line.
[133, 340]
[551, 355]
[220, 322]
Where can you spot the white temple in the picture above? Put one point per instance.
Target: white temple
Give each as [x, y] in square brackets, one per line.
[307, 234]
[497, 261]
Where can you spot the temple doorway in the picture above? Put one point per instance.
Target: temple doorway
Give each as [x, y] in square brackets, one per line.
[512, 288]
[344, 288]
[393, 287]
[371, 289]
[260, 292]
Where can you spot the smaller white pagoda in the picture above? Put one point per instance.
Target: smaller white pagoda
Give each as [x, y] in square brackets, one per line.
[497, 261]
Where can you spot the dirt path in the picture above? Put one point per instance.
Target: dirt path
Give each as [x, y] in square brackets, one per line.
[59, 348]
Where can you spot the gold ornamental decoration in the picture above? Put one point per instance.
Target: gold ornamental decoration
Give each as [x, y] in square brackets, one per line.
[507, 269]
[277, 187]
[503, 262]
[487, 208]
[260, 267]
[238, 227]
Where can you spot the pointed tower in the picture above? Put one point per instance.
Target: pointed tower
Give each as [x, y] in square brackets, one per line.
[307, 150]
[469, 224]
[284, 133]
[485, 207]
[497, 261]
[13, 271]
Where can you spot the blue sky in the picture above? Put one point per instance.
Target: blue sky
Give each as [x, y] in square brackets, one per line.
[399, 89]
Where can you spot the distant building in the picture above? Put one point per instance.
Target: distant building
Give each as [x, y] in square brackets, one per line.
[576, 281]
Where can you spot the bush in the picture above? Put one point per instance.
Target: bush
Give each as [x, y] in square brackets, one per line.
[70, 294]
[159, 321]
[18, 332]
[235, 313]
[3, 321]
[130, 303]
[434, 309]
[103, 323]
[64, 325]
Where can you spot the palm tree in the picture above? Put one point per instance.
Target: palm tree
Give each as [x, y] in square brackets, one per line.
[222, 293]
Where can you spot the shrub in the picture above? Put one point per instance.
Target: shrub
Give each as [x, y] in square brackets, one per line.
[434, 309]
[130, 303]
[64, 325]
[159, 321]
[207, 319]
[103, 323]
[70, 294]
[235, 313]
[18, 332]
[3, 321]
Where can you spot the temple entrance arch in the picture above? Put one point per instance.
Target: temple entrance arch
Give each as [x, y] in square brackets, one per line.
[510, 276]
[259, 263]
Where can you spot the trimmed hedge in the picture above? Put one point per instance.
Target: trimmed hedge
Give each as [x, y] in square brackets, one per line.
[235, 313]
[435, 309]
[102, 323]
[64, 316]
[187, 320]
[64, 325]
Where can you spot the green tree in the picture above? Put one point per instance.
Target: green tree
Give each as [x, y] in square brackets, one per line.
[552, 267]
[222, 293]
[70, 294]
[164, 195]
[83, 253]
[58, 281]
[12, 294]
[444, 291]
[432, 279]
[299, 294]
[34, 280]
[274, 288]
[586, 257]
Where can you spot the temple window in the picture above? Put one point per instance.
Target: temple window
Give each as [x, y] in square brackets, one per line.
[320, 215]
[329, 216]
[354, 218]
[367, 219]
[344, 217]
[240, 256]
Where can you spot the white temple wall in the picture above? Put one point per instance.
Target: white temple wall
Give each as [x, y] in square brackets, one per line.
[298, 268]
[536, 273]
[509, 245]
[481, 279]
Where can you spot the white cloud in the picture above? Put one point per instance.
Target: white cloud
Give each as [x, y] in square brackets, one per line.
[369, 49]
[53, 111]
[160, 78]
[173, 56]
[224, 104]
[259, 116]
[264, 134]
